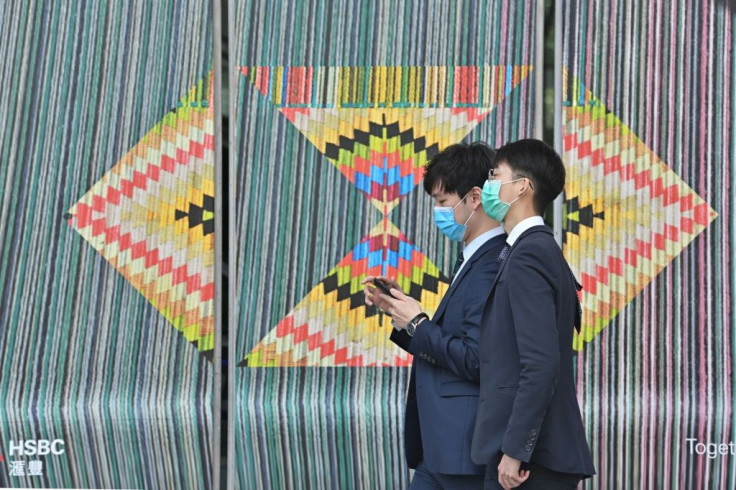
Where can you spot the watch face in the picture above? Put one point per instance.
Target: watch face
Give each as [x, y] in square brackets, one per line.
[410, 329]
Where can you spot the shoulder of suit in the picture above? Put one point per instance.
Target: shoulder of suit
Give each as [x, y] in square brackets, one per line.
[494, 244]
[535, 234]
[539, 230]
[541, 241]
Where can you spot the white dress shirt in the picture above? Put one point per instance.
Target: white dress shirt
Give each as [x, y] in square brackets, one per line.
[522, 226]
[477, 242]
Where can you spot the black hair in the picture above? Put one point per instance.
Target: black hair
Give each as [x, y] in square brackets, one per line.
[540, 163]
[458, 168]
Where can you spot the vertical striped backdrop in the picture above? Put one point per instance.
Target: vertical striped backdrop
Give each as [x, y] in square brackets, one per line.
[649, 87]
[297, 216]
[84, 357]
[647, 108]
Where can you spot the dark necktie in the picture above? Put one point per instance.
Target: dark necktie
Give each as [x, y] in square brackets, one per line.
[504, 253]
[578, 287]
[458, 264]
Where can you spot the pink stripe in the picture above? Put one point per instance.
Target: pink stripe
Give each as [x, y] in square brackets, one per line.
[650, 361]
[671, 99]
[669, 331]
[725, 216]
[654, 390]
[685, 88]
[504, 31]
[649, 133]
[612, 27]
[589, 75]
[603, 394]
[702, 297]
[644, 394]
[669, 389]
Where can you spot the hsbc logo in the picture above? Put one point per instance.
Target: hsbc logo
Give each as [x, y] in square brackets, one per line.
[33, 448]
[36, 447]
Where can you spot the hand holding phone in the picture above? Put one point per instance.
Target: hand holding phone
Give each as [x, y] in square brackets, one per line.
[383, 287]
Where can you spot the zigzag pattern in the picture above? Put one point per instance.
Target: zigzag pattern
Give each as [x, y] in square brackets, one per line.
[627, 214]
[383, 151]
[378, 126]
[331, 326]
[152, 217]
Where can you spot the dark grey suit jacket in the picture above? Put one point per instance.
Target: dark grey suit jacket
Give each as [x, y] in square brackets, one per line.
[528, 407]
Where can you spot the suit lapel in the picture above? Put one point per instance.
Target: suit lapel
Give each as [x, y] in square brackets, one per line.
[528, 232]
[485, 248]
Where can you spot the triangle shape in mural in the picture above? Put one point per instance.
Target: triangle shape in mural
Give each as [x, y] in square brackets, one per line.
[152, 217]
[332, 326]
[379, 125]
[383, 151]
[626, 215]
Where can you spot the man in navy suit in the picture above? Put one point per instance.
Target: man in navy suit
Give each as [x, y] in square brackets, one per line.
[529, 431]
[443, 387]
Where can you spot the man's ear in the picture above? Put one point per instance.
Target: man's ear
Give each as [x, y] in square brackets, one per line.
[475, 197]
[526, 187]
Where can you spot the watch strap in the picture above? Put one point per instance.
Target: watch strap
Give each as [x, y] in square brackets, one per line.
[414, 323]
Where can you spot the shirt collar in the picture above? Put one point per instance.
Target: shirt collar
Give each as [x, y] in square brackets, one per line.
[522, 226]
[478, 242]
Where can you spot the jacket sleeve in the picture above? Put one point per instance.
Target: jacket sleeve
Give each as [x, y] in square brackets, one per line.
[400, 338]
[532, 299]
[456, 349]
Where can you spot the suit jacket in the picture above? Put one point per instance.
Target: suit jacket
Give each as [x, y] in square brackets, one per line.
[443, 387]
[528, 407]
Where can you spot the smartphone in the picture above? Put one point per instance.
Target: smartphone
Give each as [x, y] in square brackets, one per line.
[383, 287]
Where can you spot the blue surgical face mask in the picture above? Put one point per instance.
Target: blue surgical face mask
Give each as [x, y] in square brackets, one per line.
[491, 199]
[444, 218]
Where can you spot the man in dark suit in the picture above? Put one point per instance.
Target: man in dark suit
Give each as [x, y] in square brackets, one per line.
[443, 387]
[529, 431]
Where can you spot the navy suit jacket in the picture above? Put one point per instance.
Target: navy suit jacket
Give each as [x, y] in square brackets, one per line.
[528, 407]
[443, 387]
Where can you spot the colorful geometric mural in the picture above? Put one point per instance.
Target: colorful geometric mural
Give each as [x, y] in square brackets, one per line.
[332, 327]
[152, 217]
[626, 215]
[332, 191]
[93, 376]
[649, 143]
[378, 126]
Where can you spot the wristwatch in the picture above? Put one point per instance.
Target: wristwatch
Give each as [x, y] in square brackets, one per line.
[411, 327]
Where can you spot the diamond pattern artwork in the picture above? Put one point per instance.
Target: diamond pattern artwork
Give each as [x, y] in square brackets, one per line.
[152, 217]
[332, 327]
[627, 215]
[378, 126]
[383, 151]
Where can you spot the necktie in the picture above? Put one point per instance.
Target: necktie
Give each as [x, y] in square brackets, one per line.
[458, 264]
[504, 253]
[578, 287]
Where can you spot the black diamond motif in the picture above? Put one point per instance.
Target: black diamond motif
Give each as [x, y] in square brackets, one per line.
[195, 215]
[586, 216]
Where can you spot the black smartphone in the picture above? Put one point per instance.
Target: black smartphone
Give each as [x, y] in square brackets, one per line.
[380, 285]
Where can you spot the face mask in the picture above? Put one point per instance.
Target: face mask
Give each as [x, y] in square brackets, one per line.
[492, 203]
[444, 218]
